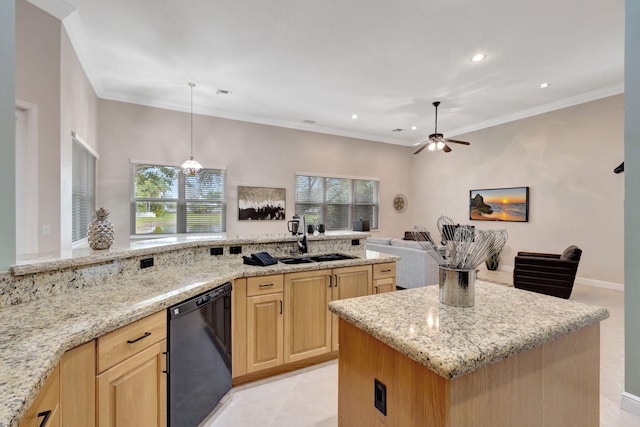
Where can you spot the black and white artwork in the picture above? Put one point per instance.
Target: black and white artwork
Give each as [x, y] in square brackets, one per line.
[261, 204]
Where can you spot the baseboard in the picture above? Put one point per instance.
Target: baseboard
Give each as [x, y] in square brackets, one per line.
[581, 280]
[600, 284]
[630, 403]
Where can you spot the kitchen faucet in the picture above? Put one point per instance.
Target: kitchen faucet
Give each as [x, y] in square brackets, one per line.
[302, 246]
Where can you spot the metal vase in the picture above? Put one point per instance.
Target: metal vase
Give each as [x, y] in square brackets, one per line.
[457, 287]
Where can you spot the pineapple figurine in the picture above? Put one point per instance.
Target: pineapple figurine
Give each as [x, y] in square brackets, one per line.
[100, 233]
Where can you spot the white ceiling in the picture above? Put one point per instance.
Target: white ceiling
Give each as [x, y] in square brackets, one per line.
[287, 61]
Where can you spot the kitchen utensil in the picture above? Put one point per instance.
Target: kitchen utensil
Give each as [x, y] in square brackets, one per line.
[420, 235]
[294, 225]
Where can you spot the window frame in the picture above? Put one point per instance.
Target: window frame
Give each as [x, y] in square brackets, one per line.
[89, 197]
[181, 202]
[324, 204]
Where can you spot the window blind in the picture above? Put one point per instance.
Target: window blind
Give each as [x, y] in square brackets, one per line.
[83, 182]
[336, 202]
[164, 201]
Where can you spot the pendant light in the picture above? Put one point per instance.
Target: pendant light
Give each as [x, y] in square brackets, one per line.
[191, 167]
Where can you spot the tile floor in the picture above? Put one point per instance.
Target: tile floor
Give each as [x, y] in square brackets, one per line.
[308, 397]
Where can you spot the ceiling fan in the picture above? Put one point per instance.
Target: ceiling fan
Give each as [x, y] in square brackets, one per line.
[437, 141]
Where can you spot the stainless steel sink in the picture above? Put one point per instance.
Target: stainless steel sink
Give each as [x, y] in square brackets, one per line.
[315, 258]
[301, 260]
[331, 257]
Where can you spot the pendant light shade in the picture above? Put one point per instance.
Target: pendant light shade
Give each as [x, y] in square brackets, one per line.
[191, 167]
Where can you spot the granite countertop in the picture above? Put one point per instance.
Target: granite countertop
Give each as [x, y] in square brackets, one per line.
[30, 264]
[453, 341]
[34, 335]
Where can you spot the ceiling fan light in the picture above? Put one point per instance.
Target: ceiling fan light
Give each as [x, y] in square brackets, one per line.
[439, 145]
[431, 146]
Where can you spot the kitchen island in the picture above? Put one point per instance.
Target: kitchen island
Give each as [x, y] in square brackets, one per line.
[515, 358]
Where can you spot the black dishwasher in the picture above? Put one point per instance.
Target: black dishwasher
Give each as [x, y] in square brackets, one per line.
[199, 356]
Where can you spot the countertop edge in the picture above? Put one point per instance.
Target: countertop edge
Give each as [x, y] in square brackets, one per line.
[450, 370]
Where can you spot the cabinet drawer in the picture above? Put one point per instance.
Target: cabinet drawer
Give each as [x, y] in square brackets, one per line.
[384, 271]
[123, 343]
[262, 285]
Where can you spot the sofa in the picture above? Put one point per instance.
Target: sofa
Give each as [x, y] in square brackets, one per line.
[415, 267]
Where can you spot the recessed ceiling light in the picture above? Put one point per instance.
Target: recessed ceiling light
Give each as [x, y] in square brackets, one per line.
[354, 116]
[543, 85]
[478, 57]
[414, 127]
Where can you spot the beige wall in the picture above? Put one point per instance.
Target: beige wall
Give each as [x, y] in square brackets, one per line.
[38, 82]
[566, 157]
[49, 75]
[79, 113]
[254, 155]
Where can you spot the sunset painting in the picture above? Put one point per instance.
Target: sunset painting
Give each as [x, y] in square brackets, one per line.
[500, 204]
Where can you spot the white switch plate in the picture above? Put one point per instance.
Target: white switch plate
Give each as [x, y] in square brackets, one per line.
[46, 230]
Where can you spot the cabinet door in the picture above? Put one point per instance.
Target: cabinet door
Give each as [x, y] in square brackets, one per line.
[133, 393]
[45, 411]
[264, 331]
[348, 282]
[307, 321]
[78, 386]
[384, 285]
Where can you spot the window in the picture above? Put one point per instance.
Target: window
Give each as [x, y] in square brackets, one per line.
[165, 201]
[336, 202]
[83, 183]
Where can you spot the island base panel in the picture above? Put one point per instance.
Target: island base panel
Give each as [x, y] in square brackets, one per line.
[555, 384]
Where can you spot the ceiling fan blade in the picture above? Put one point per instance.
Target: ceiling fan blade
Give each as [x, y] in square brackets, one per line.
[446, 148]
[457, 142]
[420, 149]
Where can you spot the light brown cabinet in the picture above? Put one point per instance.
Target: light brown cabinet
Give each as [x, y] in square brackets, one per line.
[45, 411]
[348, 282]
[68, 396]
[133, 393]
[265, 347]
[78, 386]
[307, 321]
[384, 277]
[283, 319]
[131, 387]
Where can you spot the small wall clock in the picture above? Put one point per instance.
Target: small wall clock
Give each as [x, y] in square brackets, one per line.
[400, 203]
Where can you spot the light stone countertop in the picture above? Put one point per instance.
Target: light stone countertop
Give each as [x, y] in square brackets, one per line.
[453, 341]
[30, 264]
[34, 335]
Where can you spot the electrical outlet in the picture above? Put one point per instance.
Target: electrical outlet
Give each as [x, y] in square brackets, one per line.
[235, 250]
[380, 396]
[355, 242]
[146, 263]
[216, 251]
[46, 230]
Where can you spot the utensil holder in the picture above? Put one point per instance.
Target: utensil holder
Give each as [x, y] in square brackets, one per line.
[457, 287]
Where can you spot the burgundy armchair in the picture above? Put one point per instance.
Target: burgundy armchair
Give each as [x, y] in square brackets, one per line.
[550, 274]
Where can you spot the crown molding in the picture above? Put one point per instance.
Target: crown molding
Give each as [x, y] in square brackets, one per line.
[233, 115]
[57, 8]
[544, 108]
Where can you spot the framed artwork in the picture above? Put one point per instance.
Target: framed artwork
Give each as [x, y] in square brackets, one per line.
[499, 204]
[261, 204]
